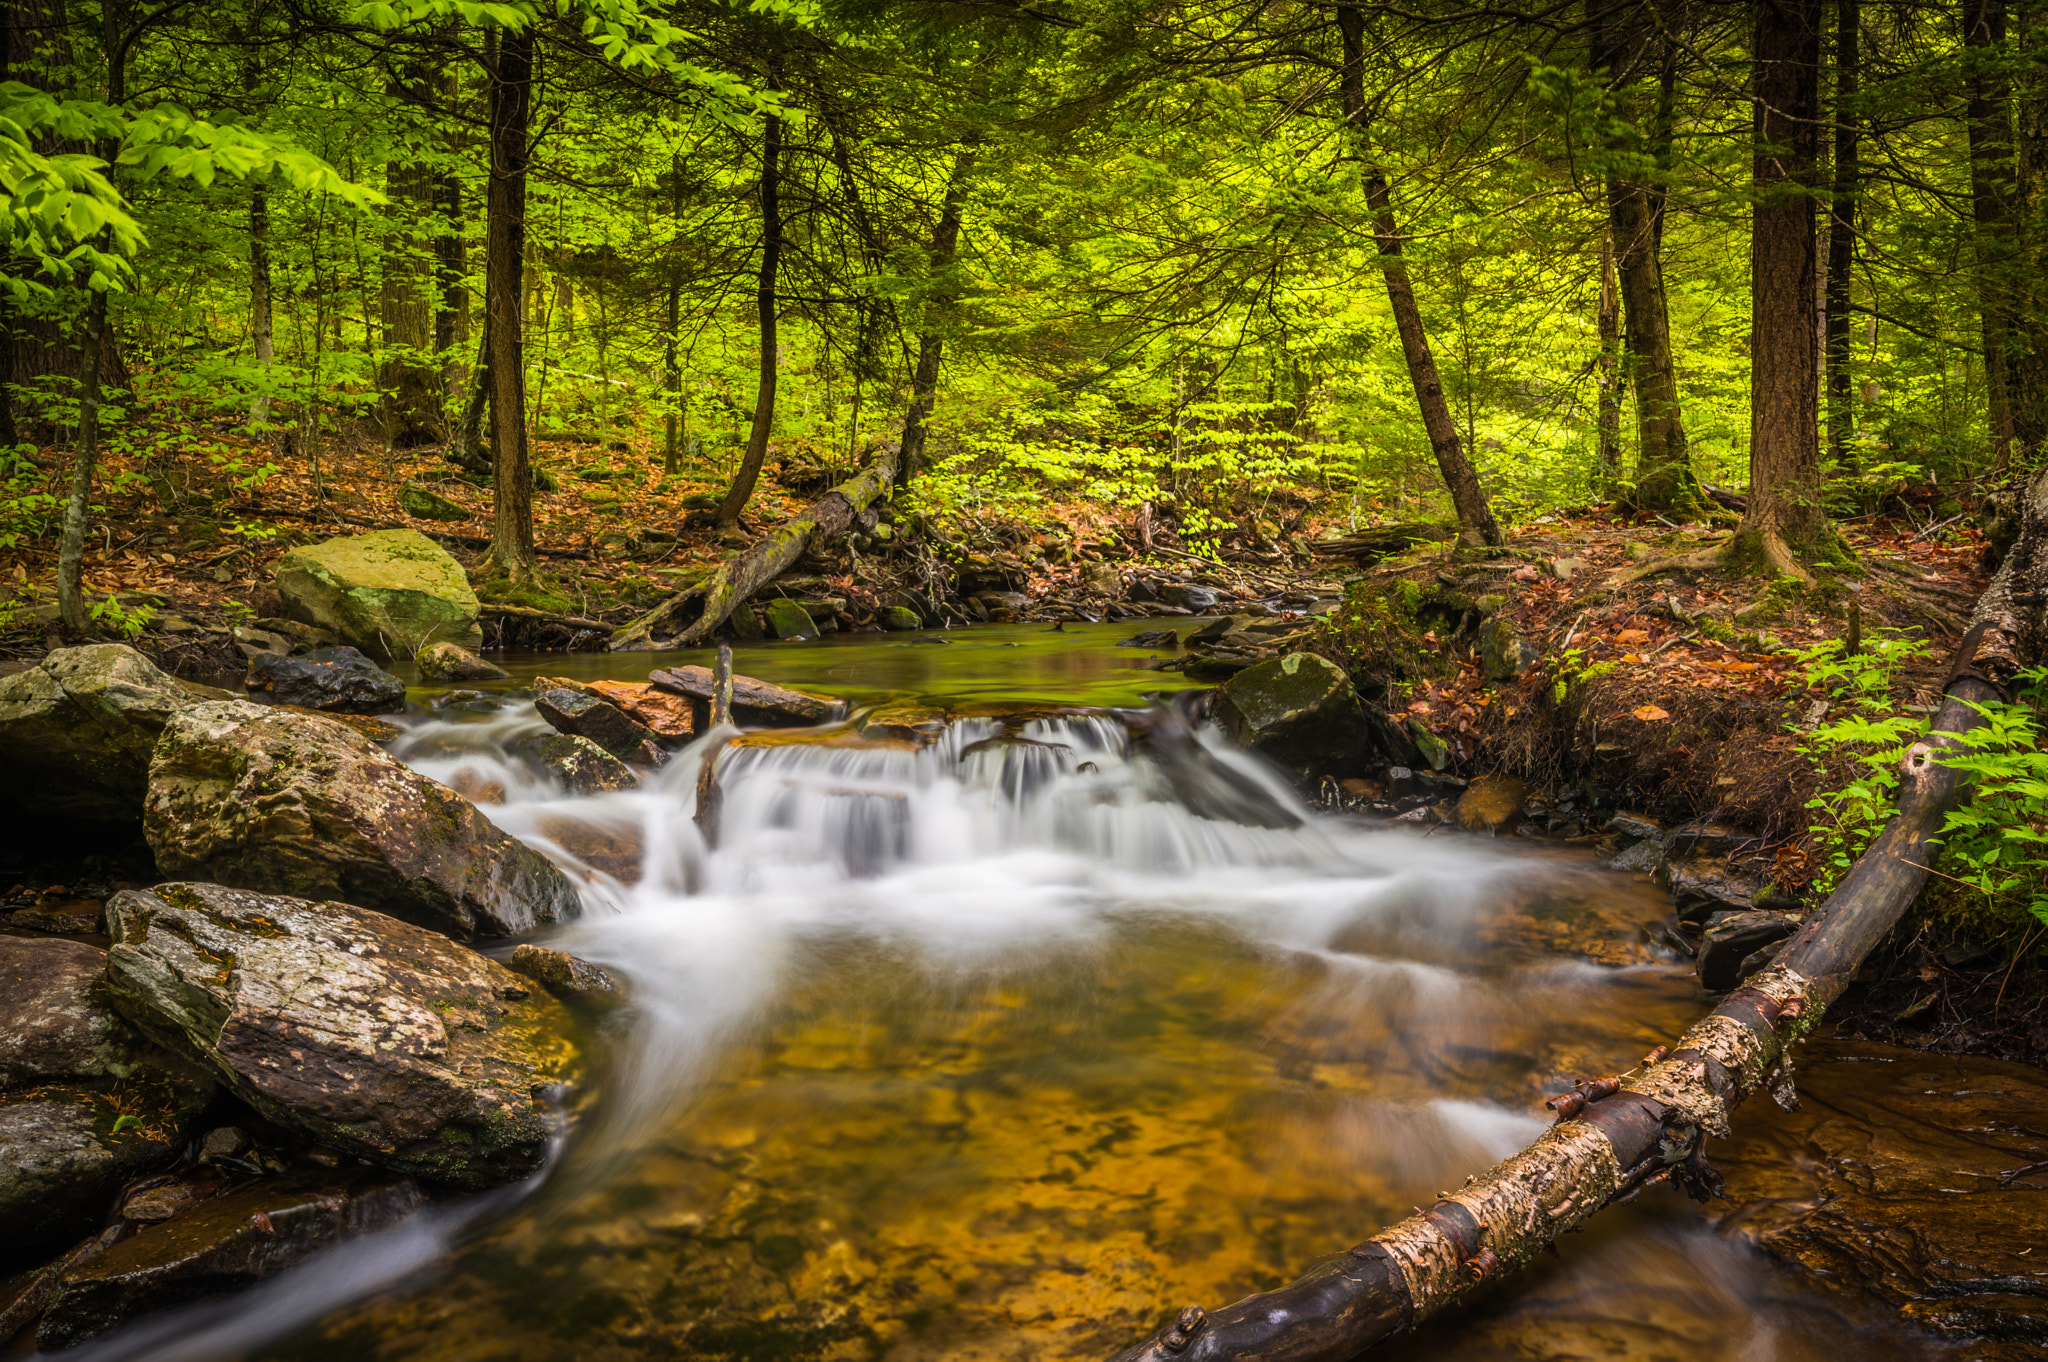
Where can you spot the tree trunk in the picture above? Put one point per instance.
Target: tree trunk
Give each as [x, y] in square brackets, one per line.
[1991, 197]
[672, 380]
[410, 386]
[764, 394]
[1613, 1137]
[1784, 524]
[738, 578]
[1842, 231]
[514, 71]
[261, 335]
[85, 447]
[1475, 516]
[924, 383]
[1608, 370]
[466, 446]
[451, 270]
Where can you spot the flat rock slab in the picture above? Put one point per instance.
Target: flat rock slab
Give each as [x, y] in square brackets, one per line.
[1889, 1181]
[222, 1246]
[303, 805]
[753, 701]
[370, 1035]
[77, 729]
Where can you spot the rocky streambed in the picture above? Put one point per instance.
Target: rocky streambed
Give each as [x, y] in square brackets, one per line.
[970, 1029]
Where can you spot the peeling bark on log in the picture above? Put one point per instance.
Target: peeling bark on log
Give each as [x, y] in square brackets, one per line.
[738, 578]
[1369, 546]
[1616, 1136]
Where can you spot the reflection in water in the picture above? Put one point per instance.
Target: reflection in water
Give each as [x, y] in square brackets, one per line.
[997, 1050]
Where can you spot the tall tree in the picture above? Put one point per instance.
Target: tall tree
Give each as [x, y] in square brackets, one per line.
[766, 309]
[1989, 129]
[1607, 370]
[924, 382]
[1476, 525]
[1842, 230]
[1784, 523]
[513, 67]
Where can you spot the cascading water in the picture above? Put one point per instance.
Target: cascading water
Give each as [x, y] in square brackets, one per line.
[1008, 1046]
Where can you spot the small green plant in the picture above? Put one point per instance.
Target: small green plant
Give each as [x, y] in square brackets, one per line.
[1994, 842]
[1863, 737]
[124, 620]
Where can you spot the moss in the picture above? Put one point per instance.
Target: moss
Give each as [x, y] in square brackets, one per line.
[538, 594]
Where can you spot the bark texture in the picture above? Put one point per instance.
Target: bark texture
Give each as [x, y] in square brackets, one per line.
[924, 383]
[514, 70]
[1608, 368]
[738, 578]
[1842, 230]
[764, 299]
[262, 335]
[1475, 517]
[1989, 129]
[1784, 523]
[408, 379]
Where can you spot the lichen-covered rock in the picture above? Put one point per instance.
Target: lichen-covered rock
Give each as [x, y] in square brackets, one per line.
[1299, 711]
[221, 1246]
[578, 765]
[390, 593]
[296, 804]
[86, 1103]
[370, 1035]
[331, 680]
[584, 714]
[447, 662]
[1503, 653]
[76, 732]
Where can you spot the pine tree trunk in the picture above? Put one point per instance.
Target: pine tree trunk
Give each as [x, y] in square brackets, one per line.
[514, 71]
[1842, 232]
[1608, 369]
[1476, 525]
[1991, 192]
[924, 383]
[764, 394]
[1784, 524]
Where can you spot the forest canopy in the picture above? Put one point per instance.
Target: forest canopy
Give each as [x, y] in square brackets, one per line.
[1429, 261]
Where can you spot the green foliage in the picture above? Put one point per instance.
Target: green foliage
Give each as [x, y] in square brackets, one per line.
[127, 621]
[1994, 841]
[1857, 748]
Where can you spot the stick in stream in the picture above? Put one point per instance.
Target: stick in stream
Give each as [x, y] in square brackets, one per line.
[721, 687]
[1616, 1136]
[738, 578]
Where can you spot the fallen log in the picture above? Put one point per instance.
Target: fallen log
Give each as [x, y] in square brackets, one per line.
[1616, 1136]
[738, 578]
[1387, 541]
[756, 701]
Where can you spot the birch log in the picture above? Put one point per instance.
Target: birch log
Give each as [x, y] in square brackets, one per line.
[738, 578]
[1616, 1136]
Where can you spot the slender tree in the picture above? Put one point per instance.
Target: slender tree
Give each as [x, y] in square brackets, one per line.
[924, 383]
[1842, 231]
[513, 68]
[1607, 369]
[766, 306]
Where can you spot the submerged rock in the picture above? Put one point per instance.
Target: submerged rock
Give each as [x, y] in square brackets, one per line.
[390, 593]
[567, 977]
[1492, 804]
[77, 730]
[1299, 711]
[258, 799]
[370, 1035]
[221, 1246]
[86, 1103]
[340, 680]
[447, 662]
[1151, 638]
[583, 714]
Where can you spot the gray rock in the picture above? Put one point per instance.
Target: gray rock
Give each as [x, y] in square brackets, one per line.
[220, 1246]
[1503, 653]
[1641, 857]
[447, 662]
[304, 805]
[86, 1103]
[567, 977]
[1299, 711]
[578, 765]
[787, 619]
[584, 714]
[77, 730]
[367, 1034]
[332, 680]
[1188, 596]
[390, 593]
[1729, 942]
[1151, 638]
[1702, 883]
[1102, 579]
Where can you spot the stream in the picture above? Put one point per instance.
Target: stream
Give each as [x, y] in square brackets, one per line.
[1010, 1046]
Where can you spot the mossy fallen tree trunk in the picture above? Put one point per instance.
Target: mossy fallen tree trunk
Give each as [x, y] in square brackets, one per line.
[669, 625]
[1616, 1136]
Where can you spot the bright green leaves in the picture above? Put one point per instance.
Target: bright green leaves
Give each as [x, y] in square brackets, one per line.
[167, 141]
[1997, 840]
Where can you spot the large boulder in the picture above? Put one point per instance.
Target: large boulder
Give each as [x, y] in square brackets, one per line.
[86, 1103]
[221, 1246]
[301, 804]
[77, 729]
[367, 1034]
[334, 680]
[1299, 711]
[390, 593]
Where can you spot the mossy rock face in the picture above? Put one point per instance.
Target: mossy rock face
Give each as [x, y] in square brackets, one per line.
[390, 593]
[1299, 711]
[534, 595]
[899, 619]
[367, 1034]
[77, 730]
[788, 619]
[416, 500]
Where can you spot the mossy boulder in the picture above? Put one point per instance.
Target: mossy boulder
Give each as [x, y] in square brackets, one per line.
[86, 1103]
[417, 501]
[77, 730]
[1299, 711]
[367, 1034]
[899, 619]
[390, 593]
[301, 804]
[787, 619]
